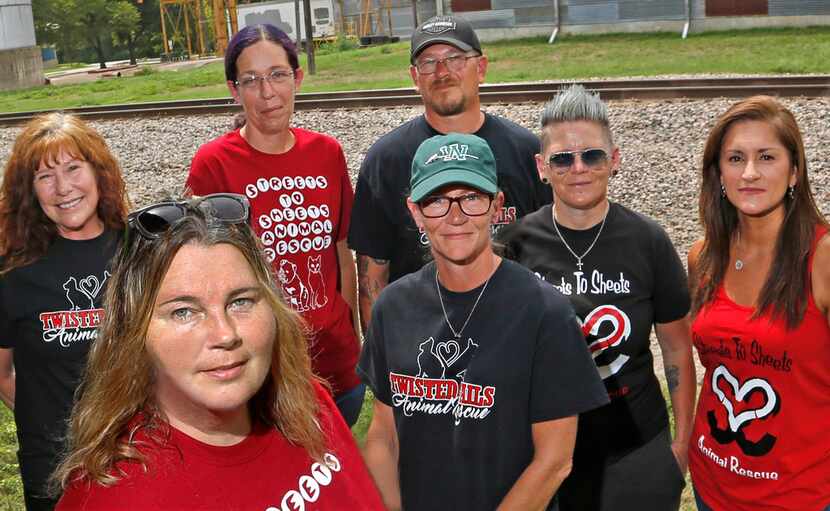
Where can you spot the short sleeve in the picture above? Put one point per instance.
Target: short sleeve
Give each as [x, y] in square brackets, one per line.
[371, 231]
[373, 367]
[346, 197]
[565, 380]
[200, 178]
[671, 290]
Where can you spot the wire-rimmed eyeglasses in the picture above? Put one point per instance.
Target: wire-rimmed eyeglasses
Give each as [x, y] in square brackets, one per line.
[252, 82]
[453, 62]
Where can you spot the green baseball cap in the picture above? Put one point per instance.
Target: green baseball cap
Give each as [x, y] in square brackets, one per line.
[454, 158]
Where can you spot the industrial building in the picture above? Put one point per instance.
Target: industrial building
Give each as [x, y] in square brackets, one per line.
[504, 19]
[21, 64]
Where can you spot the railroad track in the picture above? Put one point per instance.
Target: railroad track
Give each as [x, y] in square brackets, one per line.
[653, 89]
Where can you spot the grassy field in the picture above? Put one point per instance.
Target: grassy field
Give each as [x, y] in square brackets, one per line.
[767, 51]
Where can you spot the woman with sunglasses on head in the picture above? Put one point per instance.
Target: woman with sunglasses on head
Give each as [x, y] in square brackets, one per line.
[301, 200]
[760, 281]
[623, 277]
[199, 392]
[62, 206]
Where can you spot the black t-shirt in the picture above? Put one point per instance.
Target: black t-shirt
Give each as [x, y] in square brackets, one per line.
[382, 226]
[631, 279]
[464, 408]
[49, 312]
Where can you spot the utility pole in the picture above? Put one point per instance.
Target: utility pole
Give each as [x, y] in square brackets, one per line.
[297, 23]
[414, 15]
[309, 37]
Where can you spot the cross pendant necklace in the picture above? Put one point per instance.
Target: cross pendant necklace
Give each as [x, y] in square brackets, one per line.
[562, 238]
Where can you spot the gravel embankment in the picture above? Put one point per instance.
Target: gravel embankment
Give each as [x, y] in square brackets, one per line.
[661, 143]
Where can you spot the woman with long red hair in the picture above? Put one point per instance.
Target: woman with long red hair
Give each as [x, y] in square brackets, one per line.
[63, 203]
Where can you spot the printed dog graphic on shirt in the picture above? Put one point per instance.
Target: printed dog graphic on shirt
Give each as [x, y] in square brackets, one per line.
[78, 322]
[81, 294]
[295, 292]
[316, 290]
[74, 296]
[445, 359]
[736, 422]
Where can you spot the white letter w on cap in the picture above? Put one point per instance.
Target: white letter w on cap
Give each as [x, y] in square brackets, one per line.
[451, 152]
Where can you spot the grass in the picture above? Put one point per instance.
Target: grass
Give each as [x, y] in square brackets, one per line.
[11, 489]
[65, 67]
[762, 51]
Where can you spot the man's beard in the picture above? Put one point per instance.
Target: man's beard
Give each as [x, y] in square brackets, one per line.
[447, 107]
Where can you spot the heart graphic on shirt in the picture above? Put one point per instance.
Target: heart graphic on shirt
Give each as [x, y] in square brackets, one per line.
[741, 392]
[90, 287]
[448, 352]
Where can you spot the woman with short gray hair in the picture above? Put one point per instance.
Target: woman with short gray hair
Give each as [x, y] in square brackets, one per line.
[623, 277]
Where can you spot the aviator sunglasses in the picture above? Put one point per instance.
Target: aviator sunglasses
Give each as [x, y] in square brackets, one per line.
[563, 161]
[153, 221]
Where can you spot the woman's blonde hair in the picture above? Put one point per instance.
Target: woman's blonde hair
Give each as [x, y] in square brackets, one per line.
[25, 230]
[115, 399]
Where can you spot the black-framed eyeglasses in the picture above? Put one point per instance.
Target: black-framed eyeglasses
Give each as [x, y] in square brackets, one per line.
[153, 221]
[471, 204]
[563, 161]
[253, 82]
[453, 62]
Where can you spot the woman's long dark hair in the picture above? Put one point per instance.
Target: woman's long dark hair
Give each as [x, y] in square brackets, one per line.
[785, 291]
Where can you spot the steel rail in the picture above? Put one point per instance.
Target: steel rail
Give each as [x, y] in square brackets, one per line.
[641, 89]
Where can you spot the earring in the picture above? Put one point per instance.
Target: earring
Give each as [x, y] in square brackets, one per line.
[792, 192]
[722, 190]
[545, 180]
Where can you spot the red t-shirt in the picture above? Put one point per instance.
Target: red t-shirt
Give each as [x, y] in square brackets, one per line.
[264, 472]
[301, 203]
[761, 438]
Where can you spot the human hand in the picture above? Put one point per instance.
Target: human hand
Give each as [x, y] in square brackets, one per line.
[681, 454]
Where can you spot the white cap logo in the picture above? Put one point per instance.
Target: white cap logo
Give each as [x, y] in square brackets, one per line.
[452, 152]
[439, 25]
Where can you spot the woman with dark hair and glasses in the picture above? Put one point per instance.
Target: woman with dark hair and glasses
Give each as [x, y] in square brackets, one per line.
[63, 205]
[761, 303]
[301, 201]
[199, 393]
[623, 277]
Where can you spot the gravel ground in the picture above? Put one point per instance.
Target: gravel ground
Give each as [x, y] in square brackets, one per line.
[661, 144]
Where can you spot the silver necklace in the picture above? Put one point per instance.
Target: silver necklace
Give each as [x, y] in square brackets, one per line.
[470, 315]
[739, 264]
[580, 257]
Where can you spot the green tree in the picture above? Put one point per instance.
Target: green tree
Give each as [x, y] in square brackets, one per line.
[95, 25]
[149, 40]
[125, 21]
[57, 23]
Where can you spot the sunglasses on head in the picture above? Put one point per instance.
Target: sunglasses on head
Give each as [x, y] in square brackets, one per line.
[564, 160]
[153, 221]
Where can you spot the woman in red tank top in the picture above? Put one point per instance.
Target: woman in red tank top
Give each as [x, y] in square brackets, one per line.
[760, 282]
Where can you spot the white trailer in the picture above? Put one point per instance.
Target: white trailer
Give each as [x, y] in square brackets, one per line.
[281, 14]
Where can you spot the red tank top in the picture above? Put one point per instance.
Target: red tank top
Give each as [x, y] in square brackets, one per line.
[761, 437]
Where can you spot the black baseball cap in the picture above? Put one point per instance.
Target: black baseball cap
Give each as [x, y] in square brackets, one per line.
[444, 29]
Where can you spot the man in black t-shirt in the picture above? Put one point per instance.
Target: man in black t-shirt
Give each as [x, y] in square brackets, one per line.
[477, 366]
[447, 68]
